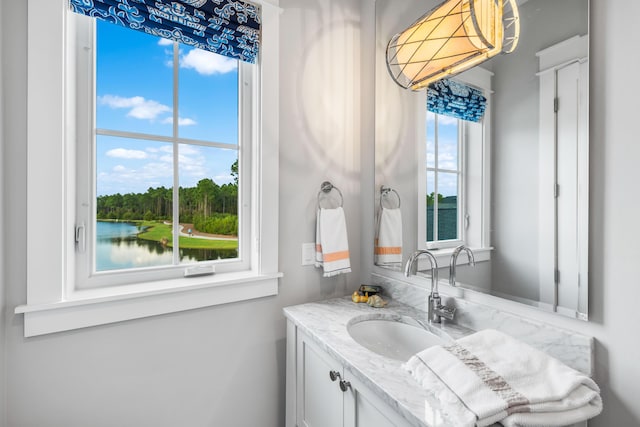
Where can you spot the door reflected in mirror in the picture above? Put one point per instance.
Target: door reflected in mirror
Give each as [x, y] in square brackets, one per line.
[514, 187]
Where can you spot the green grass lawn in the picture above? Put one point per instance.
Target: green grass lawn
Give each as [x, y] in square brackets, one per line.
[156, 231]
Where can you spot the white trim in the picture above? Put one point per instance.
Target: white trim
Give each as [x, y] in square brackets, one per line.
[443, 256]
[437, 243]
[474, 177]
[46, 122]
[562, 65]
[270, 4]
[83, 45]
[69, 315]
[574, 286]
[144, 136]
[576, 47]
[291, 372]
[480, 78]
[49, 209]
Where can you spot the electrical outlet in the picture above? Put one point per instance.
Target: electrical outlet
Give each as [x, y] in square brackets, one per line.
[308, 253]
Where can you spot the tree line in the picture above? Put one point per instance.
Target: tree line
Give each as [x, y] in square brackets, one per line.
[212, 208]
[442, 200]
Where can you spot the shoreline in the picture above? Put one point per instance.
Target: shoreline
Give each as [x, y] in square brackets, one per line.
[183, 226]
[201, 235]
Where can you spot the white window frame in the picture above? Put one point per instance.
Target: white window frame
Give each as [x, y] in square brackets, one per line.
[82, 54]
[52, 304]
[461, 196]
[475, 182]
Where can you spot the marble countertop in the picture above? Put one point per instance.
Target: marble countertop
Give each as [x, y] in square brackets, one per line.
[326, 323]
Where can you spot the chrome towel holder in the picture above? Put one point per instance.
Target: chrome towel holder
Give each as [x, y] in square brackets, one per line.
[386, 192]
[325, 188]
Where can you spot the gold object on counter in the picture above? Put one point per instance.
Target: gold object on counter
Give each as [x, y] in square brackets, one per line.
[356, 297]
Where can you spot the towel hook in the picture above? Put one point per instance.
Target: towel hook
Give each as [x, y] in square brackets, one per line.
[326, 188]
[384, 192]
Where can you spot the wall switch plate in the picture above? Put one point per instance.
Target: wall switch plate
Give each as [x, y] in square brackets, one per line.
[308, 253]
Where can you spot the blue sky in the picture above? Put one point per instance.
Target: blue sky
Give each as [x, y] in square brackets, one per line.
[447, 153]
[135, 94]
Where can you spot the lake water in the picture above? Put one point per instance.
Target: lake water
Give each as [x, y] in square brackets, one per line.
[117, 247]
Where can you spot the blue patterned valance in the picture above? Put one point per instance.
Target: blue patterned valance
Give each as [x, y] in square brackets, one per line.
[227, 27]
[456, 100]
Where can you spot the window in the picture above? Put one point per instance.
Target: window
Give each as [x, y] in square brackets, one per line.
[160, 192]
[59, 86]
[444, 180]
[454, 179]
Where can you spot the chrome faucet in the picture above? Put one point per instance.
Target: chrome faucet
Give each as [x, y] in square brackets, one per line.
[454, 259]
[435, 310]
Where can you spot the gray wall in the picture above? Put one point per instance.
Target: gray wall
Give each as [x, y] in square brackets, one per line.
[219, 366]
[398, 121]
[515, 163]
[3, 305]
[613, 247]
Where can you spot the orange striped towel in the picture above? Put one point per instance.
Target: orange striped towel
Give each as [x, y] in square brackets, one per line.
[388, 244]
[332, 247]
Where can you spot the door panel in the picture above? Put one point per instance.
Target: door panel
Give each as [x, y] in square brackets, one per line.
[321, 403]
[362, 408]
[568, 86]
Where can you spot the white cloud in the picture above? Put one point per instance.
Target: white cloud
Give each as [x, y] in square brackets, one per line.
[155, 171]
[139, 107]
[182, 121]
[165, 42]
[448, 161]
[124, 180]
[207, 63]
[123, 153]
[153, 167]
[223, 179]
[189, 150]
[192, 163]
[447, 120]
[186, 121]
[448, 184]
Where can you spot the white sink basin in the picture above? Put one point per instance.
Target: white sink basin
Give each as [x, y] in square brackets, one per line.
[397, 338]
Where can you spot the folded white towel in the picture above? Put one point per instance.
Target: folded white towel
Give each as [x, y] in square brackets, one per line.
[499, 378]
[388, 244]
[332, 247]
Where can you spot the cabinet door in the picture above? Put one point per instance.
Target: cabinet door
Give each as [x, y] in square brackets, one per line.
[319, 399]
[364, 409]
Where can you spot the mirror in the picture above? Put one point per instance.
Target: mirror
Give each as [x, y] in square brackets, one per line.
[514, 187]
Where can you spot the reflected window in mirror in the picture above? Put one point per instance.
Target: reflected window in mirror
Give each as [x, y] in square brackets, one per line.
[454, 178]
[444, 180]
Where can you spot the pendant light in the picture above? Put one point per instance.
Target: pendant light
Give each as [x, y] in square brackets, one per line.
[451, 38]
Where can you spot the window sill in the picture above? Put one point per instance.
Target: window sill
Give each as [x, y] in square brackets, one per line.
[94, 307]
[443, 257]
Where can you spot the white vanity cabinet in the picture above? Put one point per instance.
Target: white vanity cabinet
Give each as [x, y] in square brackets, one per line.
[321, 392]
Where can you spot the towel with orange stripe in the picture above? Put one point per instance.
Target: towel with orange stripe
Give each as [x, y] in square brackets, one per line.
[388, 242]
[332, 246]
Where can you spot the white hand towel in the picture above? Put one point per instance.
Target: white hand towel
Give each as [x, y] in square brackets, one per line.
[388, 247]
[332, 247]
[499, 378]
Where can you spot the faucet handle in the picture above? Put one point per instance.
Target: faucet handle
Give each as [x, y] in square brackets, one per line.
[446, 312]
